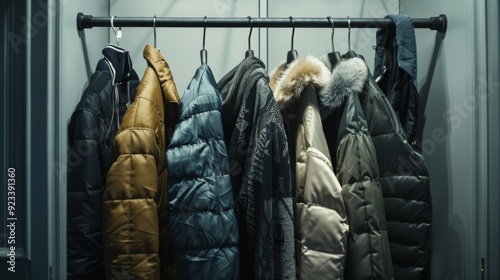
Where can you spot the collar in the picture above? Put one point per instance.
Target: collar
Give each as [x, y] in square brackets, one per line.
[162, 70]
[119, 63]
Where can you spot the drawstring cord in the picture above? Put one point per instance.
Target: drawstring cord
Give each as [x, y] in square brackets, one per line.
[128, 95]
[114, 108]
[116, 103]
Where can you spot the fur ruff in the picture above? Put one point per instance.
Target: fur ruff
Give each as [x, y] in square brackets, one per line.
[288, 84]
[348, 77]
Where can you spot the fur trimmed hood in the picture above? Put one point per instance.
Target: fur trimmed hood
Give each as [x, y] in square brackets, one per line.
[348, 77]
[288, 84]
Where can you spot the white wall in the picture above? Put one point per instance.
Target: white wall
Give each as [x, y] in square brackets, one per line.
[449, 78]
[317, 41]
[226, 46]
[79, 51]
[181, 46]
[493, 25]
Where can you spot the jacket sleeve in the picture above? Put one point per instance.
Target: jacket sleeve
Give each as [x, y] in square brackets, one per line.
[86, 179]
[368, 252]
[277, 177]
[130, 207]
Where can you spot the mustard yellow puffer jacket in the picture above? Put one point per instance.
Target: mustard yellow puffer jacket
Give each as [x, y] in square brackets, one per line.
[135, 212]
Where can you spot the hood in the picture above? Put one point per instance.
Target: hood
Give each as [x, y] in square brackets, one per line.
[288, 83]
[348, 77]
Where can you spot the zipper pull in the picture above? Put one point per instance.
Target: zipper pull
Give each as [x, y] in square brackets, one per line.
[128, 95]
[117, 107]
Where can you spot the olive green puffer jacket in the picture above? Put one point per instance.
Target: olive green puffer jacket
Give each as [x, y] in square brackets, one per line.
[355, 158]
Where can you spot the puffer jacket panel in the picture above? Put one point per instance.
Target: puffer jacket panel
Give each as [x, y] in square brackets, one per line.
[321, 223]
[368, 246]
[85, 183]
[406, 188]
[130, 197]
[203, 225]
[322, 216]
[135, 212]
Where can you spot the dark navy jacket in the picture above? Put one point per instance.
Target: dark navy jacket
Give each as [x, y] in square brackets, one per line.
[92, 127]
[396, 71]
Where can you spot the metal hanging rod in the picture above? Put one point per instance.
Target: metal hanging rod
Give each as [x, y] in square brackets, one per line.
[438, 23]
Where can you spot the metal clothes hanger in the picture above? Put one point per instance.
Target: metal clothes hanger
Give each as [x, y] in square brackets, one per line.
[203, 52]
[292, 54]
[330, 19]
[154, 30]
[333, 57]
[249, 52]
[349, 33]
[350, 53]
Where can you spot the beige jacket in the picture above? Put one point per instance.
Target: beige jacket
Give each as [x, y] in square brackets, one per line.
[321, 222]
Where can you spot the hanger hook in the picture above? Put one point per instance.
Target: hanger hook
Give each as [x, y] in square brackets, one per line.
[251, 28]
[118, 33]
[112, 24]
[113, 27]
[204, 31]
[154, 29]
[203, 52]
[330, 19]
[349, 33]
[293, 29]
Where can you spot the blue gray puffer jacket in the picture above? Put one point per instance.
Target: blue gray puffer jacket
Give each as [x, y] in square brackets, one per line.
[203, 227]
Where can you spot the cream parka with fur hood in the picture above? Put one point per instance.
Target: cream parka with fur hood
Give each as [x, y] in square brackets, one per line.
[320, 219]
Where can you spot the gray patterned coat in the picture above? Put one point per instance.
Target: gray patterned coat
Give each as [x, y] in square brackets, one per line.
[259, 167]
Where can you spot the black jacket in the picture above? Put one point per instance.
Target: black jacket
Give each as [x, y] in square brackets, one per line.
[259, 167]
[396, 72]
[92, 127]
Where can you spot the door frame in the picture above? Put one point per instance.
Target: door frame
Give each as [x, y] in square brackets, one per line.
[492, 253]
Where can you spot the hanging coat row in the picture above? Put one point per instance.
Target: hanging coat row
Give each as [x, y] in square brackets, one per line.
[293, 175]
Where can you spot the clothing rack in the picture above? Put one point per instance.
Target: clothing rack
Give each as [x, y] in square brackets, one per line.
[438, 23]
